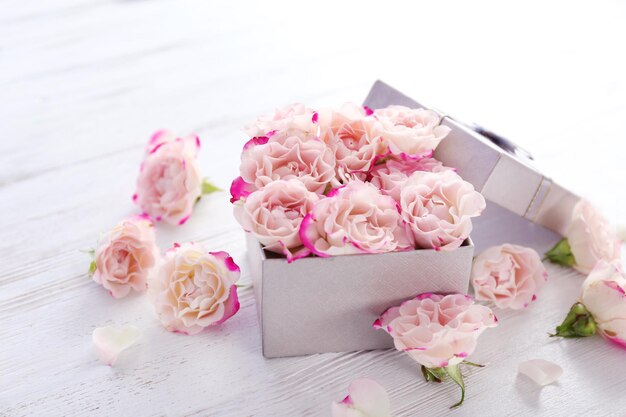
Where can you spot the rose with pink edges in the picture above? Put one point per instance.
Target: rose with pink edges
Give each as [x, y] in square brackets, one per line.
[415, 132]
[356, 218]
[293, 117]
[391, 174]
[366, 398]
[353, 138]
[438, 208]
[194, 289]
[169, 182]
[274, 213]
[438, 332]
[125, 257]
[509, 276]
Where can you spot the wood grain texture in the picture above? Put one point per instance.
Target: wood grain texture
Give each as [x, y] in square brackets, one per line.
[83, 83]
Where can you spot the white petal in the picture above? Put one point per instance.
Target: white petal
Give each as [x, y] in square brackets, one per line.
[110, 341]
[541, 371]
[369, 397]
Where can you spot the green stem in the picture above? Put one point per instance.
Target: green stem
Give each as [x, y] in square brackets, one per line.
[454, 371]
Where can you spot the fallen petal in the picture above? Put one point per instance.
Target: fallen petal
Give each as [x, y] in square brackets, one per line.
[111, 341]
[541, 371]
[366, 397]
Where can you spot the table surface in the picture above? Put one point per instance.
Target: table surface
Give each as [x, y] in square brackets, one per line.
[84, 83]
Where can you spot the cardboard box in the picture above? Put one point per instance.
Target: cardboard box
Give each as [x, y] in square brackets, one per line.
[317, 305]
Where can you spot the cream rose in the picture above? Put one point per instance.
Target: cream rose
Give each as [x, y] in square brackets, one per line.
[438, 209]
[508, 275]
[410, 131]
[356, 218]
[125, 256]
[274, 213]
[194, 289]
[169, 182]
[293, 117]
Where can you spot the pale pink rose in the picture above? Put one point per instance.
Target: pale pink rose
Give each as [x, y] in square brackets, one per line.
[391, 174]
[293, 117]
[410, 131]
[437, 330]
[591, 238]
[125, 257]
[508, 275]
[163, 136]
[286, 155]
[366, 398]
[604, 295]
[438, 209]
[194, 289]
[353, 138]
[274, 213]
[169, 182]
[356, 218]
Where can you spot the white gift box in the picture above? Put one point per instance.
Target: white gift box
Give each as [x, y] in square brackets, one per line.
[317, 305]
[523, 205]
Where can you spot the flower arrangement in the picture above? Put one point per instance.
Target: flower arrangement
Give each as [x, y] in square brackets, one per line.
[350, 180]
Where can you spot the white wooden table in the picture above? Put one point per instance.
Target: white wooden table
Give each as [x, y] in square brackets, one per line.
[83, 83]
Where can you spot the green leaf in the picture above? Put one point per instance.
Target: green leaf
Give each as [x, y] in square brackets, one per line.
[92, 267]
[454, 371]
[561, 254]
[578, 323]
[208, 188]
[433, 374]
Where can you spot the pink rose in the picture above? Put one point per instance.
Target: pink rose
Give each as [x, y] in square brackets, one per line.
[274, 213]
[508, 275]
[391, 175]
[437, 330]
[410, 131]
[366, 398]
[194, 289]
[353, 139]
[169, 182]
[125, 257]
[356, 218]
[286, 155]
[438, 209]
[293, 117]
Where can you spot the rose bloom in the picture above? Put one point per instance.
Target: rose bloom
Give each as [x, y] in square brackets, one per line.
[286, 155]
[438, 209]
[194, 289]
[437, 330]
[353, 138]
[366, 398]
[591, 238]
[356, 218]
[169, 182]
[391, 174]
[274, 213]
[410, 131]
[508, 275]
[125, 257]
[293, 117]
[604, 295]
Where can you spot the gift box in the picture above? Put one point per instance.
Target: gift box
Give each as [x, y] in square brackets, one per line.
[317, 305]
[523, 205]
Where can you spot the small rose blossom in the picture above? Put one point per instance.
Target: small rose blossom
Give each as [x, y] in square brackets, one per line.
[287, 155]
[591, 238]
[438, 209]
[274, 212]
[356, 218]
[293, 117]
[194, 289]
[125, 256]
[410, 131]
[366, 398]
[604, 295]
[508, 275]
[169, 182]
[437, 330]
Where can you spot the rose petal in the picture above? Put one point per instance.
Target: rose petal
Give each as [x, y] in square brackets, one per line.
[541, 371]
[111, 341]
[366, 397]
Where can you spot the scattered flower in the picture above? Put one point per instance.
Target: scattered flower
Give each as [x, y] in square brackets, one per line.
[194, 289]
[510, 276]
[366, 398]
[111, 341]
[541, 371]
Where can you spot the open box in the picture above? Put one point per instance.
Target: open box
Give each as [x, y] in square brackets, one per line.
[317, 305]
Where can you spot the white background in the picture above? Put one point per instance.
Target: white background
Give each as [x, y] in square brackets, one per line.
[83, 84]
